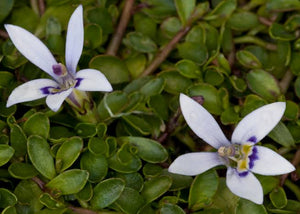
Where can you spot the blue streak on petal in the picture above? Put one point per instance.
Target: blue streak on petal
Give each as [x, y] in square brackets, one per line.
[48, 90]
[253, 157]
[78, 81]
[243, 174]
[252, 139]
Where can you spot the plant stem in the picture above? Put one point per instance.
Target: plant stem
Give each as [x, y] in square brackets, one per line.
[34, 6]
[164, 53]
[41, 7]
[255, 40]
[81, 210]
[285, 81]
[118, 35]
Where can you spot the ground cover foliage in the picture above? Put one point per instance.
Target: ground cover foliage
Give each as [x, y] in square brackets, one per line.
[231, 56]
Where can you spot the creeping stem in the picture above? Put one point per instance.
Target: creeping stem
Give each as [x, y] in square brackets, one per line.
[118, 35]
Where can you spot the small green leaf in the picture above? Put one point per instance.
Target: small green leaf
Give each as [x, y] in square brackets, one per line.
[140, 42]
[171, 209]
[112, 67]
[203, 189]
[136, 201]
[282, 135]
[6, 78]
[67, 153]
[278, 31]
[22, 170]
[6, 153]
[247, 59]
[69, 182]
[264, 84]
[185, 9]
[18, 140]
[245, 206]
[96, 165]
[278, 197]
[132, 180]
[193, 51]
[7, 198]
[175, 82]
[5, 8]
[86, 130]
[188, 69]
[243, 21]
[50, 202]
[37, 124]
[40, 156]
[97, 146]
[147, 149]
[107, 192]
[155, 187]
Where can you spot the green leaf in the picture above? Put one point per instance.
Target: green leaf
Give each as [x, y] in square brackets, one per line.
[97, 146]
[112, 67]
[18, 140]
[37, 124]
[22, 170]
[40, 156]
[282, 135]
[155, 187]
[147, 149]
[212, 101]
[248, 207]
[96, 165]
[6, 78]
[101, 17]
[136, 201]
[279, 32]
[138, 124]
[263, 84]
[86, 130]
[243, 21]
[278, 197]
[193, 51]
[175, 83]
[132, 180]
[185, 9]
[7, 198]
[247, 59]
[5, 8]
[203, 188]
[67, 153]
[107, 192]
[178, 181]
[140, 42]
[171, 209]
[6, 153]
[188, 69]
[68, 182]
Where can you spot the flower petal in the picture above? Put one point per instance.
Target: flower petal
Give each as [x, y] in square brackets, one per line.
[32, 48]
[246, 186]
[74, 42]
[54, 101]
[256, 125]
[270, 163]
[29, 91]
[202, 122]
[92, 80]
[195, 163]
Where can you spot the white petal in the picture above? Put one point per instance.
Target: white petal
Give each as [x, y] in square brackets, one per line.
[202, 122]
[92, 80]
[271, 163]
[32, 48]
[258, 123]
[29, 91]
[54, 101]
[74, 43]
[195, 163]
[247, 187]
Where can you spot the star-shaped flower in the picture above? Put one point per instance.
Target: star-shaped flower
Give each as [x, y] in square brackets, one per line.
[241, 156]
[66, 79]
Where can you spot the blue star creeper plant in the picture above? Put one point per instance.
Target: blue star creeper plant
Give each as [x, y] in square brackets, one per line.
[68, 84]
[241, 156]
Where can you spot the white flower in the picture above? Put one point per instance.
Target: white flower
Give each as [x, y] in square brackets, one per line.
[66, 79]
[241, 156]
